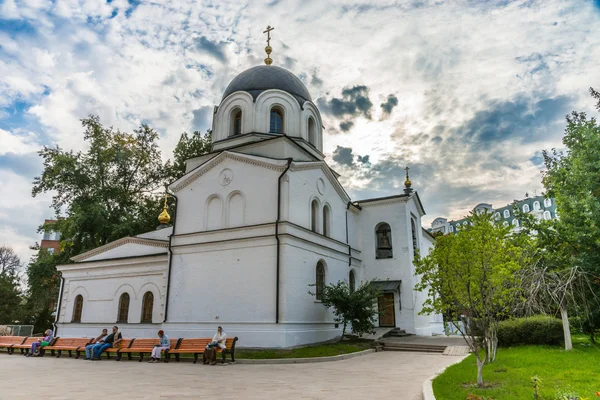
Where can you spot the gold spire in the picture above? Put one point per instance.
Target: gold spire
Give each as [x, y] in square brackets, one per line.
[268, 49]
[164, 216]
[407, 182]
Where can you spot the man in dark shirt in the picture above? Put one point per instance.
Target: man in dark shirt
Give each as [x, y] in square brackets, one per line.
[110, 341]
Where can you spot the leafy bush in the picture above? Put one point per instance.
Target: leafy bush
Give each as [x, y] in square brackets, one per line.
[533, 330]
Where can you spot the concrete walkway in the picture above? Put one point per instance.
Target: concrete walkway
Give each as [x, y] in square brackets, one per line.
[380, 375]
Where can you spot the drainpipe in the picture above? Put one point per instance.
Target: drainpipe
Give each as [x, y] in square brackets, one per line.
[170, 260]
[60, 294]
[347, 238]
[289, 164]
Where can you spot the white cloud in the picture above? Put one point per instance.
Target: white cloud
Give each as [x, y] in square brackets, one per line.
[18, 143]
[445, 61]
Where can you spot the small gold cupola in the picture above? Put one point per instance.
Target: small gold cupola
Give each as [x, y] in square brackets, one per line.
[407, 183]
[164, 217]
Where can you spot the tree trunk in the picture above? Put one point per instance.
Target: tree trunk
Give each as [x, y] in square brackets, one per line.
[566, 328]
[480, 364]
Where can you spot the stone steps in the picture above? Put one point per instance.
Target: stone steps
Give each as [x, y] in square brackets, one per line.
[413, 347]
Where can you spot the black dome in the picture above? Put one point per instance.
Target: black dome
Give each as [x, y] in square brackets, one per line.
[264, 77]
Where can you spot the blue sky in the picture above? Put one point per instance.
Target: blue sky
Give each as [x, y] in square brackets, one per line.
[466, 92]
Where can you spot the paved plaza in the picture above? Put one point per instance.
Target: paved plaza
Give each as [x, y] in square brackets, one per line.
[380, 375]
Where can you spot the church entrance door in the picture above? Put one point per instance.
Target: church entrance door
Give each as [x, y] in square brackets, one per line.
[387, 316]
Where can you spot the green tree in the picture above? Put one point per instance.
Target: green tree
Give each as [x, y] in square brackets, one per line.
[43, 284]
[571, 178]
[471, 278]
[189, 146]
[10, 292]
[355, 308]
[107, 192]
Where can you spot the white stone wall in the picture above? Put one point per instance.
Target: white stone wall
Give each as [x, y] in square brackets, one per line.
[101, 284]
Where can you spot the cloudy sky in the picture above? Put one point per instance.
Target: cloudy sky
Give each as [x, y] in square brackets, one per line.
[465, 92]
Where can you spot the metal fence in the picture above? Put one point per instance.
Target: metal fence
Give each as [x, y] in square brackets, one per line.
[16, 330]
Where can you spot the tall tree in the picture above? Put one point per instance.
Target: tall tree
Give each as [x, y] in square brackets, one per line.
[189, 146]
[568, 248]
[10, 292]
[106, 191]
[110, 191]
[470, 277]
[572, 178]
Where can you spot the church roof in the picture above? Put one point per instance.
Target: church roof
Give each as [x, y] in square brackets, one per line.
[264, 77]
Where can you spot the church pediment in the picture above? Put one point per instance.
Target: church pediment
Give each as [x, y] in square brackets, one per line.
[328, 172]
[278, 165]
[124, 247]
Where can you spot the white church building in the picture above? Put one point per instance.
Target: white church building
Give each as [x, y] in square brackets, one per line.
[258, 220]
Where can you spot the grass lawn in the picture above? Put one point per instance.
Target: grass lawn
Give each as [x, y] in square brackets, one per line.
[576, 371]
[323, 350]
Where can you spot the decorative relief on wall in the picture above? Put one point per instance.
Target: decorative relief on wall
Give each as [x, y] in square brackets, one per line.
[225, 177]
[321, 185]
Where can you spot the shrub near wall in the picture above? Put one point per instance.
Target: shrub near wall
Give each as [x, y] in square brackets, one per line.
[533, 330]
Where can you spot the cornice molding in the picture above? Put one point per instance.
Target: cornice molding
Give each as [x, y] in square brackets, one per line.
[304, 166]
[120, 242]
[384, 202]
[212, 163]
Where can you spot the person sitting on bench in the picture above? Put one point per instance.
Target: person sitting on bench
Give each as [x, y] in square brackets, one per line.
[110, 341]
[210, 353]
[164, 344]
[99, 339]
[43, 342]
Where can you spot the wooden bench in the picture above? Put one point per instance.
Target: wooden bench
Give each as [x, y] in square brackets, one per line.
[25, 346]
[123, 344]
[197, 346]
[8, 342]
[143, 346]
[68, 344]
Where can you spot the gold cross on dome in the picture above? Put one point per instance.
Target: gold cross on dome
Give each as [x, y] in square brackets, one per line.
[268, 32]
[406, 169]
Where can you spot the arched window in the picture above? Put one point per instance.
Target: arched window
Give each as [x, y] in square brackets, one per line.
[312, 136]
[326, 220]
[314, 215]
[505, 223]
[536, 205]
[351, 281]
[320, 280]
[506, 214]
[383, 233]
[516, 222]
[547, 215]
[451, 228]
[276, 120]
[147, 306]
[497, 216]
[123, 314]
[413, 227]
[236, 126]
[525, 208]
[77, 308]
[547, 203]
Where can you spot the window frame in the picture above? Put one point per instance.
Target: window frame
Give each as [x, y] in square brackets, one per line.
[77, 309]
[312, 132]
[121, 308]
[147, 309]
[526, 206]
[277, 110]
[319, 280]
[506, 213]
[234, 121]
[379, 229]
